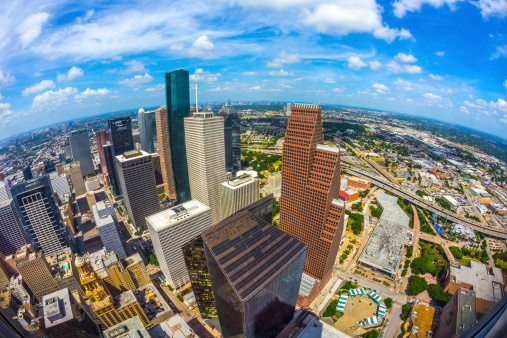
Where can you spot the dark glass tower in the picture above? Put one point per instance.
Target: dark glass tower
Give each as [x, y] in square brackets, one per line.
[111, 168]
[120, 135]
[178, 107]
[27, 172]
[255, 271]
[232, 137]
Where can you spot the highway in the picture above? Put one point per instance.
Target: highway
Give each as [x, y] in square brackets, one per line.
[430, 206]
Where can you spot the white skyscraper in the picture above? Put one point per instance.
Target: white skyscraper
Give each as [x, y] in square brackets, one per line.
[5, 191]
[60, 185]
[204, 137]
[238, 193]
[12, 234]
[170, 229]
[105, 219]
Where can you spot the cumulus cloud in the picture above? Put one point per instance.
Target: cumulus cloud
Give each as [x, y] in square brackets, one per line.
[6, 113]
[375, 65]
[255, 88]
[201, 75]
[133, 67]
[284, 58]
[92, 93]
[5, 79]
[436, 77]
[338, 90]
[401, 7]
[464, 110]
[249, 73]
[407, 58]
[38, 87]
[31, 28]
[437, 100]
[395, 67]
[72, 74]
[496, 8]
[410, 100]
[355, 62]
[177, 47]
[156, 88]
[440, 53]
[405, 85]
[446, 91]
[329, 80]
[380, 88]
[51, 98]
[280, 72]
[137, 80]
[202, 47]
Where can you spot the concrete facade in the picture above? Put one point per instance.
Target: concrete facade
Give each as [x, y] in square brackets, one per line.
[237, 193]
[81, 152]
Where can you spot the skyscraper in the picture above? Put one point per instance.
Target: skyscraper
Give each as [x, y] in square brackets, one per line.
[147, 130]
[41, 217]
[36, 272]
[237, 193]
[105, 219]
[232, 137]
[170, 230]
[255, 272]
[164, 151]
[309, 207]
[81, 152]
[112, 176]
[120, 135]
[76, 175]
[27, 172]
[5, 191]
[137, 181]
[102, 138]
[206, 161]
[12, 234]
[178, 107]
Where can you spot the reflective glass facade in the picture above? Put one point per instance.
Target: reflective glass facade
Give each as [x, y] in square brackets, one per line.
[232, 138]
[111, 168]
[178, 107]
[120, 135]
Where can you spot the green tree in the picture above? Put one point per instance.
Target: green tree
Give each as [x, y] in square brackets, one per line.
[389, 302]
[371, 334]
[410, 251]
[416, 285]
[331, 309]
[437, 293]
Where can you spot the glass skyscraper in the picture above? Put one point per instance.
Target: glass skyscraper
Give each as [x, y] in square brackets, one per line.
[120, 135]
[178, 107]
[232, 137]
[147, 130]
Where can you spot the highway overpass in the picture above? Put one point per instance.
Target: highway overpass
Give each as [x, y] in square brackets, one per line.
[430, 206]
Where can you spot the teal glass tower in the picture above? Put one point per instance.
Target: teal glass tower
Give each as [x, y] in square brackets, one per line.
[177, 89]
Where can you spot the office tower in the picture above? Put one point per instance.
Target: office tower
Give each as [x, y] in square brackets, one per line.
[206, 161]
[178, 107]
[458, 315]
[48, 166]
[120, 135]
[102, 138]
[62, 157]
[60, 185]
[5, 273]
[40, 215]
[289, 109]
[195, 261]
[111, 168]
[237, 193]
[232, 137]
[275, 184]
[64, 317]
[170, 230]
[81, 152]
[76, 175]
[157, 168]
[8, 304]
[110, 310]
[136, 138]
[107, 225]
[164, 151]
[27, 172]
[5, 191]
[309, 209]
[147, 130]
[137, 181]
[12, 234]
[18, 289]
[133, 327]
[36, 273]
[255, 272]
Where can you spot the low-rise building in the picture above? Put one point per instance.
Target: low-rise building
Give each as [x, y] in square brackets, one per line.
[429, 181]
[132, 327]
[458, 315]
[497, 208]
[452, 201]
[463, 232]
[8, 304]
[173, 327]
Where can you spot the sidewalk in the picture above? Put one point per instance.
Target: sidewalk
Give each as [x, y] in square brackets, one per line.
[328, 296]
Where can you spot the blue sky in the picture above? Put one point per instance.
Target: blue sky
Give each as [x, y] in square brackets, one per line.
[444, 59]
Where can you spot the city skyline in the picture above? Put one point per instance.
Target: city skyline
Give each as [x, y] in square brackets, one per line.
[389, 61]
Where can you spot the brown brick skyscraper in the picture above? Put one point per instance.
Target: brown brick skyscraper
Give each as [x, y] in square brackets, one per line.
[309, 209]
[164, 151]
[102, 138]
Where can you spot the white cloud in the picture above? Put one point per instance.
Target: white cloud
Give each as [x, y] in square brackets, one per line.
[329, 80]
[505, 84]
[284, 58]
[51, 98]
[446, 91]
[338, 90]
[436, 77]
[281, 72]
[72, 74]
[202, 47]
[437, 100]
[133, 67]
[440, 53]
[410, 100]
[136, 81]
[5, 79]
[92, 93]
[345, 17]
[38, 87]
[177, 47]
[395, 67]
[256, 88]
[156, 88]
[375, 65]
[31, 28]
[204, 76]
[401, 7]
[500, 105]
[37, 74]
[497, 8]
[249, 73]
[6, 113]
[380, 88]
[405, 85]
[355, 62]
[464, 110]
[407, 58]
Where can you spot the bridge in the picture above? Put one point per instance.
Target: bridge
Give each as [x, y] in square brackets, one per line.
[430, 206]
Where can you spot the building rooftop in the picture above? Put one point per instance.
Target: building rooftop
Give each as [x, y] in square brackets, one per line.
[130, 328]
[174, 327]
[5, 299]
[175, 215]
[422, 318]
[385, 246]
[328, 148]
[317, 328]
[466, 311]
[238, 181]
[487, 281]
[103, 213]
[124, 299]
[5, 203]
[251, 251]
[61, 264]
[129, 155]
[135, 258]
[57, 308]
